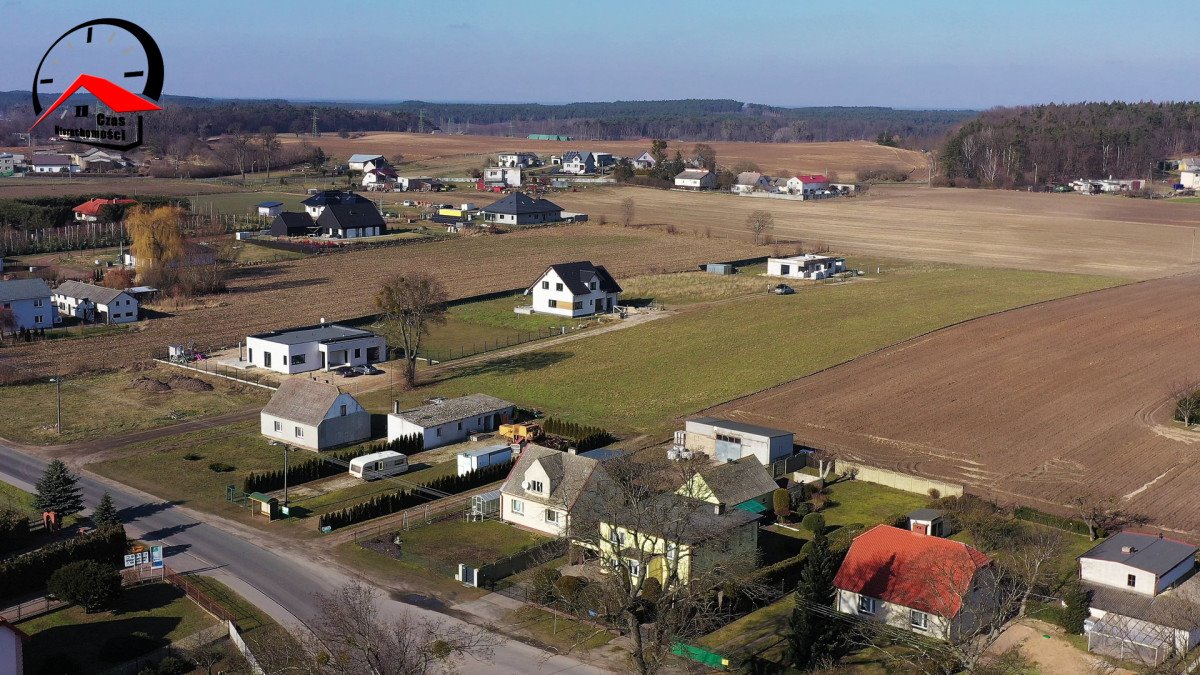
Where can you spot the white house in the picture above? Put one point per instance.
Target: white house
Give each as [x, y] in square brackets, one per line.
[418, 184]
[696, 179]
[543, 487]
[807, 184]
[92, 210]
[726, 440]
[644, 161]
[446, 421]
[12, 648]
[52, 163]
[29, 300]
[750, 181]
[1189, 164]
[270, 209]
[922, 583]
[1143, 597]
[96, 160]
[574, 289]
[360, 162]
[517, 159]
[321, 347]
[95, 304]
[502, 176]
[314, 416]
[377, 178]
[1190, 179]
[807, 266]
[578, 163]
[519, 208]
[8, 164]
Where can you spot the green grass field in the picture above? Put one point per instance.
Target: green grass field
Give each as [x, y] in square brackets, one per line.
[15, 499]
[868, 504]
[248, 252]
[103, 405]
[243, 203]
[642, 378]
[247, 617]
[161, 611]
[561, 632]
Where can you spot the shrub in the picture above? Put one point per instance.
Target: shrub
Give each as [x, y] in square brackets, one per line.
[192, 457]
[173, 665]
[818, 501]
[321, 467]
[120, 648]
[1076, 611]
[87, 583]
[899, 520]
[543, 585]
[585, 437]
[29, 572]
[935, 493]
[802, 509]
[781, 501]
[14, 530]
[814, 522]
[58, 664]
[568, 588]
[221, 467]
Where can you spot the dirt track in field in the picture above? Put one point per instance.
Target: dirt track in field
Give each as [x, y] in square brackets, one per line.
[441, 152]
[341, 286]
[1108, 235]
[1032, 405]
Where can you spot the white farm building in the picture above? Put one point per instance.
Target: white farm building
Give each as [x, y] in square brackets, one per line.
[445, 421]
[807, 266]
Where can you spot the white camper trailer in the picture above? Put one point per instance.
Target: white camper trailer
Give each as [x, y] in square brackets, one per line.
[378, 465]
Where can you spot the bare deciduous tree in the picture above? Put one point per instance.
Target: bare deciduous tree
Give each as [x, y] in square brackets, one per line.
[760, 223]
[627, 211]
[1186, 394]
[415, 302]
[268, 141]
[1103, 513]
[236, 149]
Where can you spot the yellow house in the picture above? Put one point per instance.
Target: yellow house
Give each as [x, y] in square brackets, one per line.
[675, 536]
[744, 484]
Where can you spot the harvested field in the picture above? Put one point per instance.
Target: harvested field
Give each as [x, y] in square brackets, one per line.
[445, 154]
[342, 286]
[1107, 235]
[1034, 405]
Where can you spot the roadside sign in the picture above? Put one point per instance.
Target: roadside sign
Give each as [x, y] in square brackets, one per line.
[156, 557]
[141, 557]
[130, 560]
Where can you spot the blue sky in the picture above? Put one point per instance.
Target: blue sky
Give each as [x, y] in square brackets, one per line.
[911, 54]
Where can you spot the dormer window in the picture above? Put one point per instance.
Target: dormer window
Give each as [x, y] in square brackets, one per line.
[536, 486]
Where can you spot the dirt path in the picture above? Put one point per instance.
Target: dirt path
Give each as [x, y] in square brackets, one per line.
[1044, 644]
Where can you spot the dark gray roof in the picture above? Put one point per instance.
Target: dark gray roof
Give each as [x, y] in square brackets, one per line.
[23, 289]
[701, 521]
[735, 482]
[926, 514]
[692, 174]
[301, 400]
[270, 204]
[328, 197]
[453, 409]
[519, 203]
[576, 276]
[293, 221]
[742, 427]
[329, 332]
[97, 294]
[49, 160]
[1177, 607]
[350, 216]
[1151, 553]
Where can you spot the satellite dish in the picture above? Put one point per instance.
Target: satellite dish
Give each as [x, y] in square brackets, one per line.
[525, 485]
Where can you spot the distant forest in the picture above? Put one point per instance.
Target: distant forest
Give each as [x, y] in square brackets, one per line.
[1008, 147]
[688, 120]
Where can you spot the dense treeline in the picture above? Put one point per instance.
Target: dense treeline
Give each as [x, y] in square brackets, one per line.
[395, 502]
[1060, 143]
[35, 213]
[585, 437]
[29, 572]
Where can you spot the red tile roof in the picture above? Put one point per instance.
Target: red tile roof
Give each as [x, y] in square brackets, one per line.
[815, 178]
[92, 206]
[923, 572]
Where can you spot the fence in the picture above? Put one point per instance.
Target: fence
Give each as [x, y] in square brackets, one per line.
[520, 561]
[30, 609]
[197, 595]
[464, 351]
[419, 516]
[788, 465]
[900, 481]
[213, 368]
[235, 636]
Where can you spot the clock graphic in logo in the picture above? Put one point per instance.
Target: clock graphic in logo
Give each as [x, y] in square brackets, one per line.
[114, 60]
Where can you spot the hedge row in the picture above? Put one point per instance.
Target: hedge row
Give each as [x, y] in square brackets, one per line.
[585, 437]
[1049, 520]
[319, 467]
[29, 572]
[14, 530]
[402, 499]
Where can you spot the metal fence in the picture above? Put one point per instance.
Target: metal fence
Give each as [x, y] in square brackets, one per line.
[436, 511]
[465, 350]
[30, 609]
[211, 367]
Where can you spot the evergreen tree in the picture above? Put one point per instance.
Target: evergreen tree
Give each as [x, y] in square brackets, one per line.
[1076, 611]
[58, 491]
[105, 514]
[813, 637]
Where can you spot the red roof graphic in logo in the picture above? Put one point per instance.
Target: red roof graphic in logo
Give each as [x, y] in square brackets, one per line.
[118, 99]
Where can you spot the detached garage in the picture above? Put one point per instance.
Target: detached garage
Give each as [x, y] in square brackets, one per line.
[726, 440]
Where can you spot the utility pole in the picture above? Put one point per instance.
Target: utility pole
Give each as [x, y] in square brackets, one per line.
[1035, 169]
[58, 397]
[286, 448]
[421, 121]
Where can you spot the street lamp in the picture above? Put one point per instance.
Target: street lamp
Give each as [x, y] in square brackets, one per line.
[58, 396]
[286, 449]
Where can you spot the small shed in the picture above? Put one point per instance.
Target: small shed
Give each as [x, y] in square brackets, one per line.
[719, 268]
[270, 209]
[929, 521]
[264, 505]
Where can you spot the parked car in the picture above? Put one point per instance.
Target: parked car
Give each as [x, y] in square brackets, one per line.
[783, 289]
[367, 369]
[408, 202]
[346, 371]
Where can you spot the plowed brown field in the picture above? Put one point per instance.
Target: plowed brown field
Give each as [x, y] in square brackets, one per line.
[341, 286]
[1107, 235]
[443, 154]
[1033, 405]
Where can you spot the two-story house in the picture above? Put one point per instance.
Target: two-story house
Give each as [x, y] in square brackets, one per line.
[314, 416]
[517, 159]
[807, 184]
[932, 586]
[1144, 596]
[365, 162]
[578, 163]
[574, 289]
[29, 302]
[95, 304]
[644, 161]
[543, 487]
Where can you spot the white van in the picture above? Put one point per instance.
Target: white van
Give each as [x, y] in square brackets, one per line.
[378, 465]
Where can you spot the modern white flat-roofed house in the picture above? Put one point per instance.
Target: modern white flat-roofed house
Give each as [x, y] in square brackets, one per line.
[696, 179]
[320, 347]
[543, 487]
[517, 159]
[29, 300]
[574, 289]
[807, 266]
[929, 585]
[364, 162]
[446, 421]
[95, 304]
[1144, 596]
[314, 416]
[519, 208]
[270, 209]
[726, 440]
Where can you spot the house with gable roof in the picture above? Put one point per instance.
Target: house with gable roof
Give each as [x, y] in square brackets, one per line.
[696, 179]
[314, 415]
[574, 289]
[365, 162]
[93, 303]
[543, 487]
[29, 302]
[807, 184]
[750, 181]
[742, 484]
[91, 210]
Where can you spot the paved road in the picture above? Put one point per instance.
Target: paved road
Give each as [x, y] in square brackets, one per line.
[282, 586]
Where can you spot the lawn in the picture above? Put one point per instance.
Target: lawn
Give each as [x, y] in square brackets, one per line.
[560, 631]
[15, 499]
[868, 504]
[459, 541]
[249, 252]
[437, 579]
[759, 632]
[95, 406]
[247, 617]
[243, 203]
[687, 288]
[160, 610]
[656, 372]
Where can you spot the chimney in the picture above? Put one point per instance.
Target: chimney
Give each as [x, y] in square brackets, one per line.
[572, 451]
[396, 407]
[322, 321]
[719, 508]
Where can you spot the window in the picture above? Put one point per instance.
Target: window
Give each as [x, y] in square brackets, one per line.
[672, 551]
[37, 319]
[298, 359]
[285, 359]
[357, 352]
[635, 568]
[37, 302]
[517, 506]
[278, 425]
[579, 304]
[343, 410]
[551, 304]
[439, 432]
[460, 426]
[866, 605]
[1131, 580]
[592, 285]
[551, 516]
[918, 620]
[558, 287]
[729, 439]
[299, 432]
[536, 486]
[545, 285]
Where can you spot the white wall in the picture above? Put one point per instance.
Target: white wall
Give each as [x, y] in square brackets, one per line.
[701, 437]
[1115, 574]
[33, 313]
[287, 433]
[846, 602]
[589, 302]
[798, 269]
[450, 432]
[123, 310]
[534, 516]
[11, 657]
[1190, 179]
[338, 354]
